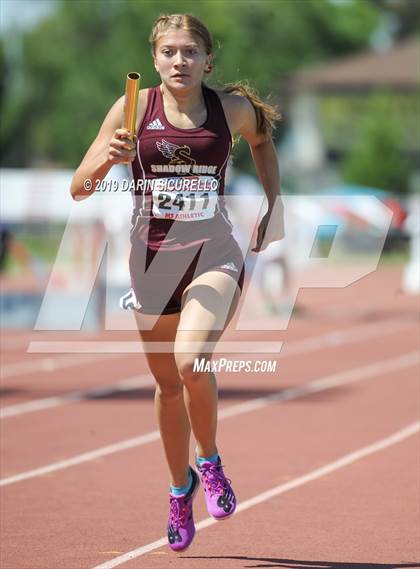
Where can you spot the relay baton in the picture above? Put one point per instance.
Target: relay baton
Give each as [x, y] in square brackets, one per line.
[132, 87]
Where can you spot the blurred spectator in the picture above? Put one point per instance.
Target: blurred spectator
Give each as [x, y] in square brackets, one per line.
[11, 248]
[275, 278]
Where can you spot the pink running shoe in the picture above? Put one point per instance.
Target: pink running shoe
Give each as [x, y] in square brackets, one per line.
[220, 498]
[181, 528]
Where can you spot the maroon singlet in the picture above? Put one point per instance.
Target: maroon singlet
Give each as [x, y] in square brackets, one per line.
[166, 151]
[180, 225]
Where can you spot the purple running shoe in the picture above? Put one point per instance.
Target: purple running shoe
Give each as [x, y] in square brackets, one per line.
[181, 528]
[220, 498]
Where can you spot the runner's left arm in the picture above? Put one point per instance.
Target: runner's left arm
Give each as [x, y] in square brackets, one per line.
[264, 155]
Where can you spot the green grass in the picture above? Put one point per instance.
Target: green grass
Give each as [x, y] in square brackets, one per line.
[41, 246]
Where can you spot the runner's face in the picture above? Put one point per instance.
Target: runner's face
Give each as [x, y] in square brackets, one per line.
[180, 59]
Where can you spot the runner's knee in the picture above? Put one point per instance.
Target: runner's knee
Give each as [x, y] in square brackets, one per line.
[165, 372]
[168, 389]
[190, 368]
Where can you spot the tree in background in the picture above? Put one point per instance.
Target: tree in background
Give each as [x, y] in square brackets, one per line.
[378, 158]
[404, 13]
[75, 62]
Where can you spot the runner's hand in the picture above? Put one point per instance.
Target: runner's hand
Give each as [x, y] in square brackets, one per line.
[271, 228]
[121, 148]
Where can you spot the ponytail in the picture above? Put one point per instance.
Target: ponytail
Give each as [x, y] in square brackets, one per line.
[267, 115]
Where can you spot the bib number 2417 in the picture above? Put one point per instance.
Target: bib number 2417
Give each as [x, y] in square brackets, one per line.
[184, 205]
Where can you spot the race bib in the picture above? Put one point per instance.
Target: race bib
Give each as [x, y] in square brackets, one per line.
[187, 198]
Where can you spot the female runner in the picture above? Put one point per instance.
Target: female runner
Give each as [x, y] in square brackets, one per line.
[186, 268]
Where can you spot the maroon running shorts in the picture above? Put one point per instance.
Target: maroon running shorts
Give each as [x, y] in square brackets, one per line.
[160, 292]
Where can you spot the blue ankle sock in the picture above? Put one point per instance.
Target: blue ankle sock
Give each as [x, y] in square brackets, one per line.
[182, 490]
[201, 459]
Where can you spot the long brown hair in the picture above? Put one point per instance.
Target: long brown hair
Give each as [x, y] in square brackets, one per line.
[267, 114]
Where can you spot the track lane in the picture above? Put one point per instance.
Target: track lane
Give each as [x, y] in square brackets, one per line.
[14, 393]
[269, 498]
[363, 516]
[77, 428]
[82, 516]
[116, 495]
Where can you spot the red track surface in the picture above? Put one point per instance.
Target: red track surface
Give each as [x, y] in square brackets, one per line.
[361, 514]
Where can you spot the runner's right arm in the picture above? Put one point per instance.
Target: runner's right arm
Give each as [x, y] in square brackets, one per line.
[108, 148]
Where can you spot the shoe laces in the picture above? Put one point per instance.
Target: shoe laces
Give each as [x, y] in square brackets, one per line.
[177, 510]
[214, 478]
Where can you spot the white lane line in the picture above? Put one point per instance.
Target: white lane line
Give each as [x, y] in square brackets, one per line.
[337, 379]
[293, 348]
[249, 346]
[345, 460]
[81, 458]
[136, 382]
[51, 364]
[336, 338]
[323, 383]
[341, 337]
